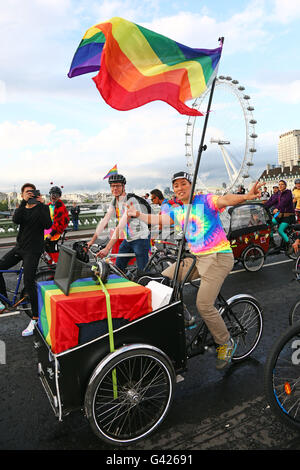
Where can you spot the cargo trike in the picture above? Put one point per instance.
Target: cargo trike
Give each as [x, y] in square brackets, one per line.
[115, 349]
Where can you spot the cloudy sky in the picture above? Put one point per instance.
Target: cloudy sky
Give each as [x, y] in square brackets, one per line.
[53, 128]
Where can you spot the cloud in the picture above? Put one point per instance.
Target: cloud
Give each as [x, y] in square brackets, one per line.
[2, 92]
[16, 136]
[285, 93]
[141, 145]
[286, 11]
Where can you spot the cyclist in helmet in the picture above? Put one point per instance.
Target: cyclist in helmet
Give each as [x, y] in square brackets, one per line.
[296, 199]
[60, 220]
[135, 234]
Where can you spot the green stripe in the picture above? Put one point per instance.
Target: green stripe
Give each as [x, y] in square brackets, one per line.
[170, 53]
[166, 49]
[43, 316]
[98, 37]
[206, 64]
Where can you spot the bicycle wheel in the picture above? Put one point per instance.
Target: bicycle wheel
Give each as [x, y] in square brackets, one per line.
[294, 314]
[253, 258]
[297, 267]
[138, 403]
[159, 265]
[282, 377]
[244, 321]
[290, 253]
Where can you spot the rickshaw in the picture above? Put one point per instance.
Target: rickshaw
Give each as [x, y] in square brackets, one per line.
[122, 371]
[252, 235]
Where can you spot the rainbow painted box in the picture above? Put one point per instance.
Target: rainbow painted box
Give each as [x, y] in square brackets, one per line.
[61, 315]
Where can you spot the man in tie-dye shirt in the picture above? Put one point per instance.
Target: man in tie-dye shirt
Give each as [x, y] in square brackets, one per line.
[207, 240]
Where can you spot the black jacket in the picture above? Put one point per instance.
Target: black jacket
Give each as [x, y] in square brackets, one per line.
[32, 223]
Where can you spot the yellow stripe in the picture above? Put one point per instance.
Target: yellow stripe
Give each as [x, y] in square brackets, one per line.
[90, 32]
[128, 36]
[48, 315]
[146, 61]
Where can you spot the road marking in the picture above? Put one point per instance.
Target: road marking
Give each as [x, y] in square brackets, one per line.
[264, 266]
[15, 312]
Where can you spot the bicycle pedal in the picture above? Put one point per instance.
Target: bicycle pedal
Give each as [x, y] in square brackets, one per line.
[179, 378]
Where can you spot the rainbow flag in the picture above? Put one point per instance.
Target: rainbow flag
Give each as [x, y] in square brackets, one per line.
[59, 314]
[137, 66]
[113, 171]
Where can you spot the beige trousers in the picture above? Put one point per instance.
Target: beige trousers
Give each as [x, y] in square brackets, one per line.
[213, 269]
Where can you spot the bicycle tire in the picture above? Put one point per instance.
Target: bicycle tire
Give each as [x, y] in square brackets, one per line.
[144, 381]
[45, 275]
[292, 254]
[297, 267]
[282, 377]
[294, 313]
[253, 258]
[161, 264]
[246, 327]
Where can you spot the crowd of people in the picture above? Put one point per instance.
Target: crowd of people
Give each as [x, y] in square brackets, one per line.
[284, 205]
[204, 235]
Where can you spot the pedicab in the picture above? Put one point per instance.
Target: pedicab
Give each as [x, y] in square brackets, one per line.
[109, 346]
[115, 348]
[253, 236]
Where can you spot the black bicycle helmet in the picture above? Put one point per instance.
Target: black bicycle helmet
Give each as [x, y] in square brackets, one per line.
[81, 251]
[117, 179]
[55, 190]
[297, 181]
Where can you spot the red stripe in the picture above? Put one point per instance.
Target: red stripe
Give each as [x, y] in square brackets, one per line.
[119, 98]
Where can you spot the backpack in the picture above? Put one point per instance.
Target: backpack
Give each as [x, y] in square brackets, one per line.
[141, 201]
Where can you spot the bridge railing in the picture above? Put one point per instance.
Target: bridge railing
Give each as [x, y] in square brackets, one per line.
[90, 221]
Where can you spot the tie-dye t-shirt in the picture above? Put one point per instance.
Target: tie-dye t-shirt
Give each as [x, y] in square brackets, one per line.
[205, 233]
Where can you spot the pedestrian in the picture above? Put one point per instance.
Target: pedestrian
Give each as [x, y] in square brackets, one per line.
[33, 217]
[75, 211]
[265, 194]
[147, 198]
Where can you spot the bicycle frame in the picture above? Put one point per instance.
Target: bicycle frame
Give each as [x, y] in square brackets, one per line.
[16, 291]
[199, 338]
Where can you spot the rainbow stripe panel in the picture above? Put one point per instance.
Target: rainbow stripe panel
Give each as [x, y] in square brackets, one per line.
[205, 233]
[137, 66]
[59, 314]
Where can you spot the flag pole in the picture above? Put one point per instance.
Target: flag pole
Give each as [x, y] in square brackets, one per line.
[202, 148]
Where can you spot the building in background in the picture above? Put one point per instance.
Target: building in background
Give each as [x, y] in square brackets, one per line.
[289, 148]
[288, 167]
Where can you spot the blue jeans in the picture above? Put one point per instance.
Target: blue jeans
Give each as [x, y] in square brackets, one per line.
[75, 224]
[139, 247]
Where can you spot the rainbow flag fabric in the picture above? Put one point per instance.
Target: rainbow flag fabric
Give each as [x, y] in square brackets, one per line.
[113, 171]
[59, 315]
[137, 66]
